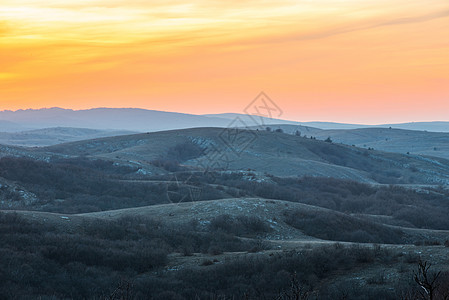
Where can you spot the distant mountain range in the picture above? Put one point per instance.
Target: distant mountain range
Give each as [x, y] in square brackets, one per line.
[131, 119]
[142, 120]
[437, 126]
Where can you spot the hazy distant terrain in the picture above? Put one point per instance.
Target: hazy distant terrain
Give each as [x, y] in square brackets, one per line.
[420, 126]
[7, 126]
[53, 136]
[142, 120]
[130, 119]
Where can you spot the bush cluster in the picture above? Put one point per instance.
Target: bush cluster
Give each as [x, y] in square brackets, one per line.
[340, 227]
[46, 261]
[81, 185]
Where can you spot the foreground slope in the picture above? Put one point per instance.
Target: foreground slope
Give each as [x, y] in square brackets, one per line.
[317, 224]
[149, 253]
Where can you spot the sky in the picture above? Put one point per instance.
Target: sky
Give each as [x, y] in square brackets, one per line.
[356, 61]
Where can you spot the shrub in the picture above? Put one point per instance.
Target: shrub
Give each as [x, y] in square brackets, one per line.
[184, 151]
[340, 227]
[215, 250]
[167, 164]
[207, 262]
[240, 225]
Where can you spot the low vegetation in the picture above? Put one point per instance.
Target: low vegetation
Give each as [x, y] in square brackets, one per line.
[178, 154]
[39, 260]
[225, 258]
[240, 225]
[83, 185]
[341, 227]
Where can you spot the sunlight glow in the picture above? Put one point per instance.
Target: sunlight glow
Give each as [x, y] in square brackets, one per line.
[172, 55]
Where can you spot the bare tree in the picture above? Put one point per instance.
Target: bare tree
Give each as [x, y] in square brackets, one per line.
[123, 291]
[428, 282]
[296, 291]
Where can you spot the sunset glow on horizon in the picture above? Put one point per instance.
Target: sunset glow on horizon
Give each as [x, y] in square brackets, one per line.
[330, 60]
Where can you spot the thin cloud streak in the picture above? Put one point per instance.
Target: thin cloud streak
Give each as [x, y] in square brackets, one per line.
[352, 28]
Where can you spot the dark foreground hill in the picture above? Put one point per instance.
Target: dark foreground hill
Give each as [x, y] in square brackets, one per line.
[224, 249]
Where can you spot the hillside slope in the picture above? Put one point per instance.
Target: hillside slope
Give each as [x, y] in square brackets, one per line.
[317, 225]
[262, 152]
[384, 139]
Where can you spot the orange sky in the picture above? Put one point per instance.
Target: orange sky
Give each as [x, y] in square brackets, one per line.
[360, 61]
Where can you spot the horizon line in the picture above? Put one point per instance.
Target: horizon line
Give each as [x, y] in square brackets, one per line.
[217, 115]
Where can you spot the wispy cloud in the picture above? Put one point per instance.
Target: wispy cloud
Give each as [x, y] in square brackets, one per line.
[56, 52]
[352, 27]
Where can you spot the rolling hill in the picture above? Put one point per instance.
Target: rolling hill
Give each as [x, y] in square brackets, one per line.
[189, 247]
[384, 139]
[274, 213]
[180, 210]
[260, 151]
